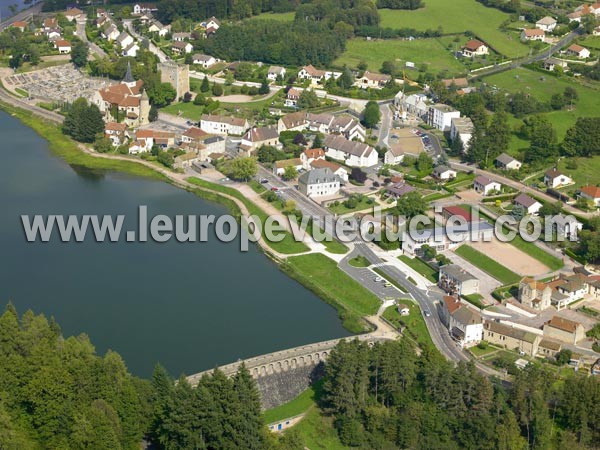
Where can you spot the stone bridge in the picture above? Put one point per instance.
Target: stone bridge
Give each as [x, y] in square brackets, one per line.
[281, 376]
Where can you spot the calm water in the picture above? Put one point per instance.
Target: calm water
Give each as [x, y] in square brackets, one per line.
[189, 306]
[5, 4]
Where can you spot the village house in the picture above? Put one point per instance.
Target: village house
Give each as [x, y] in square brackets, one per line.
[54, 34]
[293, 122]
[276, 72]
[371, 80]
[257, 137]
[547, 24]
[206, 61]
[462, 127]
[512, 338]
[110, 32]
[456, 83]
[186, 160]
[552, 63]
[193, 134]
[564, 330]
[115, 132]
[415, 104]
[292, 97]
[126, 102]
[309, 155]
[102, 21]
[549, 348]
[319, 183]
[454, 280]
[464, 323]
[146, 139]
[131, 50]
[124, 40]
[530, 205]
[553, 179]
[315, 75]
[474, 48]
[213, 22]
[223, 125]
[397, 190]
[141, 8]
[73, 14]
[349, 127]
[159, 28]
[455, 214]
[182, 36]
[485, 186]
[280, 166]
[180, 48]
[506, 162]
[352, 153]
[440, 116]
[444, 173]
[336, 168]
[63, 47]
[394, 155]
[592, 194]
[596, 31]
[344, 125]
[534, 294]
[570, 288]
[50, 23]
[20, 25]
[446, 238]
[578, 51]
[533, 34]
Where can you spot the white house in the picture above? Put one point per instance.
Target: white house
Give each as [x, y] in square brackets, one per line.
[553, 179]
[412, 104]
[256, 137]
[181, 37]
[276, 72]
[206, 61]
[180, 47]
[533, 34]
[319, 183]
[73, 14]
[131, 50]
[110, 32]
[547, 24]
[474, 48]
[455, 280]
[115, 132]
[315, 75]
[371, 80]
[352, 153]
[579, 51]
[591, 193]
[223, 125]
[462, 127]
[507, 162]
[395, 155]
[440, 116]
[446, 238]
[530, 205]
[310, 155]
[280, 166]
[485, 185]
[125, 40]
[213, 22]
[159, 28]
[63, 47]
[337, 169]
[140, 8]
[443, 172]
[292, 97]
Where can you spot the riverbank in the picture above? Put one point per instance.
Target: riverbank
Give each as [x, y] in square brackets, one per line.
[74, 154]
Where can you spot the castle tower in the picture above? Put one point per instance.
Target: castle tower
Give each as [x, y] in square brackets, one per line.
[144, 108]
[177, 75]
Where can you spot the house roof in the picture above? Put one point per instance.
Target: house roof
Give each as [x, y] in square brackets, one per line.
[563, 324]
[294, 120]
[505, 159]
[534, 284]
[115, 126]
[261, 134]
[294, 93]
[466, 316]
[185, 34]
[180, 45]
[194, 133]
[201, 57]
[438, 170]
[473, 45]
[591, 191]
[458, 82]
[534, 32]
[122, 94]
[550, 345]
[484, 181]
[400, 189]
[457, 211]
[377, 77]
[452, 303]
[515, 333]
[19, 24]
[62, 43]
[282, 164]
[340, 143]
[553, 173]
[73, 12]
[525, 200]
[318, 176]
[314, 153]
[313, 72]
[456, 272]
[276, 70]
[546, 21]
[215, 20]
[322, 164]
[576, 48]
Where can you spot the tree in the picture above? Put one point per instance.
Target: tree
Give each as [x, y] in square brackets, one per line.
[102, 144]
[317, 141]
[411, 205]
[389, 67]
[497, 136]
[428, 252]
[346, 80]
[424, 163]
[518, 212]
[308, 99]
[264, 87]
[583, 138]
[153, 114]
[217, 89]
[242, 169]
[542, 136]
[161, 94]
[79, 53]
[563, 357]
[371, 114]
[290, 173]
[187, 97]
[358, 175]
[204, 86]
[83, 121]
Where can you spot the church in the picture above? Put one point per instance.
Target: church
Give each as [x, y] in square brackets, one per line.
[125, 102]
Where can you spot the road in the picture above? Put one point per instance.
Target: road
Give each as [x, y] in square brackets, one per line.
[22, 15]
[385, 126]
[128, 25]
[81, 34]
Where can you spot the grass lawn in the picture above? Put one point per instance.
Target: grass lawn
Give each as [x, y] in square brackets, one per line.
[591, 42]
[359, 261]
[187, 110]
[336, 247]
[194, 112]
[321, 274]
[318, 433]
[479, 352]
[420, 266]
[414, 323]
[431, 52]
[475, 300]
[299, 405]
[287, 246]
[341, 209]
[587, 172]
[488, 265]
[542, 87]
[458, 16]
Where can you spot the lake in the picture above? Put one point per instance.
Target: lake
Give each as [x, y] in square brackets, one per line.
[188, 306]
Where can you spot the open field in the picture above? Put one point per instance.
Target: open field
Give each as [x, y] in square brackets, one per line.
[542, 86]
[587, 172]
[488, 265]
[512, 258]
[459, 16]
[591, 42]
[321, 275]
[431, 52]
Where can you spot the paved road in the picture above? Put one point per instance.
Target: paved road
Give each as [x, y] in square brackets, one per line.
[81, 34]
[386, 124]
[128, 25]
[22, 15]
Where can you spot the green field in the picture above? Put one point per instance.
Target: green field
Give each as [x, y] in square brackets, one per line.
[359, 261]
[421, 267]
[318, 433]
[458, 16]
[414, 323]
[299, 405]
[488, 265]
[587, 172]
[591, 42]
[431, 52]
[542, 86]
[321, 274]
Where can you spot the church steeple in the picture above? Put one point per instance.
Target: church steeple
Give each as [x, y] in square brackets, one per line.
[128, 80]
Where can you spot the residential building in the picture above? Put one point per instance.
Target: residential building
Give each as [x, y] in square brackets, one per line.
[124, 40]
[63, 47]
[115, 132]
[141, 8]
[398, 190]
[206, 61]
[371, 80]
[456, 83]
[193, 134]
[446, 238]
[579, 51]
[394, 155]
[530, 205]
[276, 72]
[186, 160]
[512, 338]
[319, 183]
[349, 127]
[110, 32]
[352, 153]
[131, 50]
[552, 63]
[181, 48]
[146, 139]
[213, 22]
[535, 294]
[549, 348]
[563, 226]
[474, 48]
[159, 28]
[292, 97]
[440, 116]
[570, 288]
[344, 124]
[415, 104]
[293, 122]
[223, 125]
[534, 34]
[182, 37]
[462, 127]
[257, 137]
[308, 156]
[73, 14]
[507, 162]
[464, 323]
[22, 26]
[454, 280]
[564, 330]
[50, 23]
[444, 173]
[177, 75]
[315, 75]
[280, 166]
[591, 193]
[456, 214]
[554, 178]
[336, 168]
[547, 24]
[485, 185]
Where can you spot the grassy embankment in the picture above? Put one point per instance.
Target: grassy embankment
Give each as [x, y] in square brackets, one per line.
[421, 267]
[413, 324]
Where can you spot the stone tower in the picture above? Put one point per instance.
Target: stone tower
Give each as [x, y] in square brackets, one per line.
[144, 108]
[129, 80]
[177, 75]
